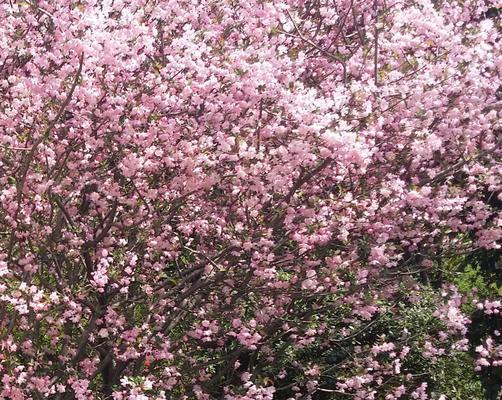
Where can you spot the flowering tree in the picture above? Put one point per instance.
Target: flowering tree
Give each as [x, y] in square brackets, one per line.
[252, 199]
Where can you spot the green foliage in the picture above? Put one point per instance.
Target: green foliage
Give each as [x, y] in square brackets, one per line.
[475, 274]
[455, 378]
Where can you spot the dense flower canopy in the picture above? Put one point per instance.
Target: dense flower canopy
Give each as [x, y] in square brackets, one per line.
[226, 198]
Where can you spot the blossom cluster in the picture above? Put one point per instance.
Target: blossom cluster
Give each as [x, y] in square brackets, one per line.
[240, 199]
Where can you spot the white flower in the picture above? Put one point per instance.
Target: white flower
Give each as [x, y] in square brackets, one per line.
[147, 384]
[125, 381]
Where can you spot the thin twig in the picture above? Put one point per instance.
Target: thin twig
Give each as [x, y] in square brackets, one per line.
[323, 51]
